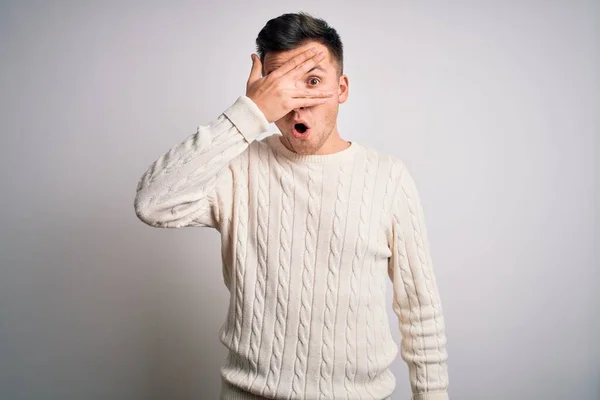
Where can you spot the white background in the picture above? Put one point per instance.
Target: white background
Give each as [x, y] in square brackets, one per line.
[493, 105]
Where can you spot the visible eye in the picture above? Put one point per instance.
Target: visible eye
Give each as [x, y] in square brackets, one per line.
[314, 79]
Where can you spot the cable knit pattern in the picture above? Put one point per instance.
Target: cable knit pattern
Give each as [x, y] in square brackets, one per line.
[308, 274]
[361, 246]
[287, 207]
[261, 273]
[388, 352]
[333, 264]
[240, 251]
[308, 243]
[416, 298]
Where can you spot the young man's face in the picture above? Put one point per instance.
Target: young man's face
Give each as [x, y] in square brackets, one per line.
[322, 119]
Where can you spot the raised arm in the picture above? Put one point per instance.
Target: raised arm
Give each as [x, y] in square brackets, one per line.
[183, 187]
[180, 188]
[416, 299]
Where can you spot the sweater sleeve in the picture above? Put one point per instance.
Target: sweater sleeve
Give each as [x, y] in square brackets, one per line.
[416, 300]
[189, 185]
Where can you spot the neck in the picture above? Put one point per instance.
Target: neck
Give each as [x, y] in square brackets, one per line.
[333, 144]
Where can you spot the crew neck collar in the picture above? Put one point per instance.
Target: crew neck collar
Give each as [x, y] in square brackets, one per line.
[277, 145]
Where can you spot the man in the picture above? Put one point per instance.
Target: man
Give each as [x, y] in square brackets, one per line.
[310, 226]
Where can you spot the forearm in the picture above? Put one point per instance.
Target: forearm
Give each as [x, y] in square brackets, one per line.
[424, 351]
[179, 184]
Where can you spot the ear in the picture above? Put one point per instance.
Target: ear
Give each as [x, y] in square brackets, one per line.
[343, 87]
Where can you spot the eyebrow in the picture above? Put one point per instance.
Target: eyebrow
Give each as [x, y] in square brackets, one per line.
[317, 67]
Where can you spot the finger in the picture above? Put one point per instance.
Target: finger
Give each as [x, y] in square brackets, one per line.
[307, 102]
[310, 94]
[307, 57]
[303, 68]
[256, 71]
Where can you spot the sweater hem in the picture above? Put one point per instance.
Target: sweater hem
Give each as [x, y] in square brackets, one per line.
[231, 392]
[439, 395]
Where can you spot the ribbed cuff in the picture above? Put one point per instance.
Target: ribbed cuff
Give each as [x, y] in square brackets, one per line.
[247, 117]
[431, 396]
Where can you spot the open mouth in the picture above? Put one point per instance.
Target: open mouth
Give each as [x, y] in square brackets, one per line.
[300, 131]
[301, 128]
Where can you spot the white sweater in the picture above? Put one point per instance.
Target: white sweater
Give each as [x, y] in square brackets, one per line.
[308, 243]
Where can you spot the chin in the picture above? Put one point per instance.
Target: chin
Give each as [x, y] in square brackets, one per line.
[302, 147]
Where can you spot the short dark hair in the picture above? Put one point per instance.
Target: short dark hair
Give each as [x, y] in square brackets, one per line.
[289, 31]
